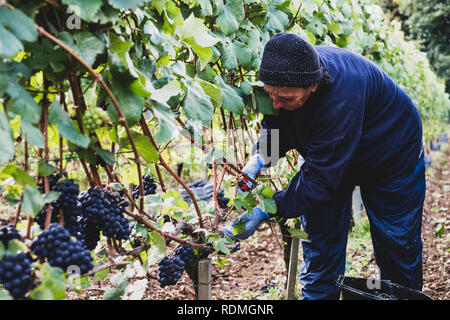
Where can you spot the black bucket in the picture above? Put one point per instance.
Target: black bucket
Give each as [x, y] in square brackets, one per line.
[370, 289]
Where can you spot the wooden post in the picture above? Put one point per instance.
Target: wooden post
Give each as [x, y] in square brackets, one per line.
[204, 279]
[292, 272]
[357, 204]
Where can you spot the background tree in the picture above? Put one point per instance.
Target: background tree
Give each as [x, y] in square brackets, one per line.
[429, 23]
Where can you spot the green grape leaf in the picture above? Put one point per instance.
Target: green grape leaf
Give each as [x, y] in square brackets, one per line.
[309, 6]
[197, 104]
[195, 28]
[267, 192]
[297, 233]
[195, 34]
[145, 148]
[262, 102]
[143, 145]
[317, 27]
[230, 16]
[9, 45]
[277, 19]
[85, 9]
[268, 205]
[245, 200]
[84, 44]
[20, 176]
[143, 231]
[18, 23]
[106, 155]
[6, 139]
[116, 292]
[163, 94]
[213, 91]
[45, 169]
[219, 243]
[228, 55]
[120, 48]
[5, 296]
[231, 100]
[239, 228]
[33, 200]
[204, 54]
[66, 128]
[130, 103]
[32, 134]
[227, 22]
[146, 68]
[53, 284]
[15, 246]
[23, 104]
[206, 6]
[243, 53]
[158, 248]
[126, 4]
[335, 28]
[167, 128]
[159, 5]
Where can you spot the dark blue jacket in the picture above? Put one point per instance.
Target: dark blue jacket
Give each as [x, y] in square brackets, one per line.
[361, 130]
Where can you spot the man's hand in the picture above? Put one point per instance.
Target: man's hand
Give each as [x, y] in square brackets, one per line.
[252, 222]
[252, 169]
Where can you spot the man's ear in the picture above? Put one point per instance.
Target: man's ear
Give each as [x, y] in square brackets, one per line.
[314, 87]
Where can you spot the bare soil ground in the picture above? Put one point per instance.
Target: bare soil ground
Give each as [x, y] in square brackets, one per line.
[436, 230]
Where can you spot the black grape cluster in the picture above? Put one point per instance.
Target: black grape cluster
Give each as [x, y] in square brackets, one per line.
[103, 211]
[197, 184]
[69, 193]
[90, 234]
[170, 271]
[8, 233]
[52, 181]
[55, 245]
[15, 274]
[222, 200]
[149, 187]
[68, 202]
[186, 254]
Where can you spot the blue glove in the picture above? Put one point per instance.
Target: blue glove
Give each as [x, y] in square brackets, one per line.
[252, 169]
[252, 222]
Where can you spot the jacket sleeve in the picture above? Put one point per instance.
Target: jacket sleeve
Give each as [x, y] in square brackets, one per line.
[331, 148]
[272, 143]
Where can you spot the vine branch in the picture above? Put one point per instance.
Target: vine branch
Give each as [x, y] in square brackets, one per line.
[121, 120]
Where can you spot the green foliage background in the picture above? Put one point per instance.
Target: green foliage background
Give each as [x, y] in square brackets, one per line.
[427, 23]
[200, 55]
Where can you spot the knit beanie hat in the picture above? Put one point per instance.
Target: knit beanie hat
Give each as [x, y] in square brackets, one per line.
[290, 61]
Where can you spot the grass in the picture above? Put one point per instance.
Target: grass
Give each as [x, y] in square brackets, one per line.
[360, 262]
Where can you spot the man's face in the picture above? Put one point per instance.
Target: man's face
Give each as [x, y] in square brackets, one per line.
[289, 98]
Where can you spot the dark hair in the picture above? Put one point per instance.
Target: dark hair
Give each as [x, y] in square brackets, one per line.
[326, 80]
